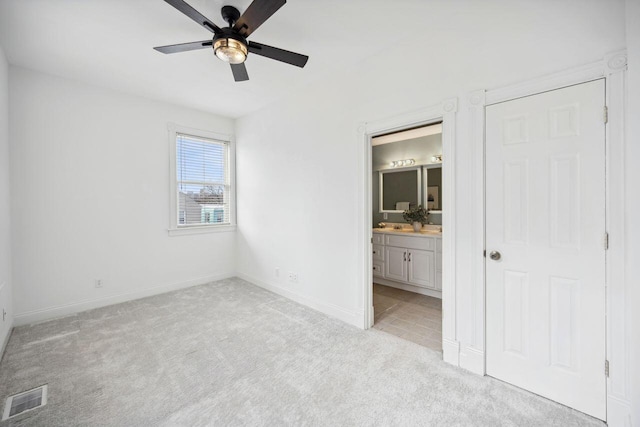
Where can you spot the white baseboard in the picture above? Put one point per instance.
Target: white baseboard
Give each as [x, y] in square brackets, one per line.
[451, 351]
[49, 313]
[5, 339]
[355, 318]
[472, 359]
[410, 288]
[618, 412]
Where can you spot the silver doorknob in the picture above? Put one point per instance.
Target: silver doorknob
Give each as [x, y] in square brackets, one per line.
[495, 255]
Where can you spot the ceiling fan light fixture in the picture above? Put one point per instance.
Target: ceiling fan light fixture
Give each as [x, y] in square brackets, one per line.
[230, 50]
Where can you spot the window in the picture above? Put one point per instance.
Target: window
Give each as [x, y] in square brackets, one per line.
[202, 176]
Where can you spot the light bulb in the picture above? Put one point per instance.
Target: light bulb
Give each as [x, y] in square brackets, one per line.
[230, 50]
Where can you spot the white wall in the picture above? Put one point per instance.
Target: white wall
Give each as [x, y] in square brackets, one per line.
[5, 220]
[632, 199]
[297, 160]
[90, 198]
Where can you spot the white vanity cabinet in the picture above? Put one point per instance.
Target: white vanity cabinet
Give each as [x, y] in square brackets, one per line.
[439, 264]
[420, 268]
[396, 263]
[408, 261]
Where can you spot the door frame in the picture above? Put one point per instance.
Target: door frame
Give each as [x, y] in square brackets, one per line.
[446, 113]
[613, 69]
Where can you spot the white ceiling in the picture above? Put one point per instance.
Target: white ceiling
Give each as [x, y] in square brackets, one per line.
[109, 43]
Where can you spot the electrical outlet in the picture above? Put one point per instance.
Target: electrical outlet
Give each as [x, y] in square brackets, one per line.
[277, 272]
[293, 277]
[98, 283]
[385, 216]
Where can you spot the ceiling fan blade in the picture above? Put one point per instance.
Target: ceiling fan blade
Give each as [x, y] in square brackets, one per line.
[239, 72]
[278, 54]
[184, 7]
[184, 47]
[255, 15]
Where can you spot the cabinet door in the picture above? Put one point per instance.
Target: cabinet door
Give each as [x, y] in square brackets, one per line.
[395, 263]
[378, 269]
[421, 268]
[378, 253]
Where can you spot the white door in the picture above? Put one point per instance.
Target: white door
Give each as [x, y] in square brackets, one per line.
[395, 260]
[420, 265]
[545, 216]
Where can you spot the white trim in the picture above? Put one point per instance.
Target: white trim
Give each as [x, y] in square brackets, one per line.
[352, 317]
[5, 341]
[472, 359]
[451, 351]
[445, 112]
[472, 331]
[202, 229]
[618, 412]
[546, 83]
[174, 230]
[48, 313]
[613, 69]
[618, 287]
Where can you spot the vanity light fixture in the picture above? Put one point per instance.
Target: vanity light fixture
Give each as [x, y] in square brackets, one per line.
[437, 158]
[399, 163]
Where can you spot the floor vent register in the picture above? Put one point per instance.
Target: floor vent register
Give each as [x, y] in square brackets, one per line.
[25, 401]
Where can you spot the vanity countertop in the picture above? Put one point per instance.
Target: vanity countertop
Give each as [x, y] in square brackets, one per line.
[409, 232]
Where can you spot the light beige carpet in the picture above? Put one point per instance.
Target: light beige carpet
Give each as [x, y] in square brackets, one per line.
[230, 353]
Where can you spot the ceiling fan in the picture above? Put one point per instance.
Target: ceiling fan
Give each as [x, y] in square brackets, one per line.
[230, 43]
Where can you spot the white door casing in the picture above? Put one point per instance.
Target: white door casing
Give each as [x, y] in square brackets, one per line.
[445, 112]
[545, 214]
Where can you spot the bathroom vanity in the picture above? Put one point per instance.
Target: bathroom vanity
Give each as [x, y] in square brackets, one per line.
[408, 260]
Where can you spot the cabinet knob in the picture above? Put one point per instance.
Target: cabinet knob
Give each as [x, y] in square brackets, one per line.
[405, 256]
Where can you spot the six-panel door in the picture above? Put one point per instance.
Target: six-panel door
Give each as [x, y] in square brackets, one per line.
[545, 216]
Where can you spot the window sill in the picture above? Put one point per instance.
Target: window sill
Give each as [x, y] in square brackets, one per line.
[201, 230]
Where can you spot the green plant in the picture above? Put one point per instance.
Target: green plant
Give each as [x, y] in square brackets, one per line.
[418, 214]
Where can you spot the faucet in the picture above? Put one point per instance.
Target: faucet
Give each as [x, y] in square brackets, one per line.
[382, 225]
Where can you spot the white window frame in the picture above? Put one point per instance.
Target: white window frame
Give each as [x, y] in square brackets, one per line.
[174, 229]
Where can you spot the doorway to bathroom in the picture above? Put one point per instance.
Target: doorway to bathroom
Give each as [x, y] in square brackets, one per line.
[422, 263]
[406, 196]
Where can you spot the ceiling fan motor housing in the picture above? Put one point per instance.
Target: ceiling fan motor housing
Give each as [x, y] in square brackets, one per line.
[230, 14]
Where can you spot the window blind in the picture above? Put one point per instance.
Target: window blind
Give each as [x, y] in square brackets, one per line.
[203, 184]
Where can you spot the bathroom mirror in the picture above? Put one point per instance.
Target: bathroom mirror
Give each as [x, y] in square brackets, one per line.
[400, 189]
[433, 188]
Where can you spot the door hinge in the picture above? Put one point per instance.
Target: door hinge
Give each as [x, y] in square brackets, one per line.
[606, 368]
[606, 241]
[606, 114]
[484, 253]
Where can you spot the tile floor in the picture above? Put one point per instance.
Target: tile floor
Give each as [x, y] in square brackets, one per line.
[415, 317]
